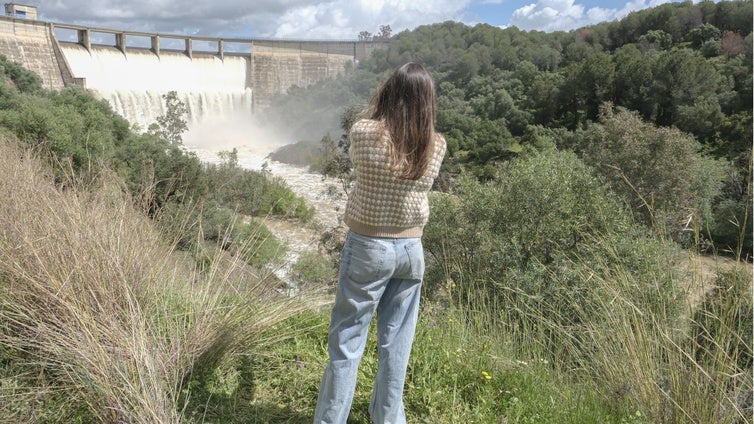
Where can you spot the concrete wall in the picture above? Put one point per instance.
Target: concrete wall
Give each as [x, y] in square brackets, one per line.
[279, 65]
[275, 65]
[32, 44]
[20, 11]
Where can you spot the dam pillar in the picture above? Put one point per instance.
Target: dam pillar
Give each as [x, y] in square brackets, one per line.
[156, 45]
[120, 41]
[189, 53]
[85, 39]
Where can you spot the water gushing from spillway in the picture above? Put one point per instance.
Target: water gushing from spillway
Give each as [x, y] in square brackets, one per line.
[134, 82]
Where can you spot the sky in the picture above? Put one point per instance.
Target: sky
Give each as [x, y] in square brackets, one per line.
[327, 20]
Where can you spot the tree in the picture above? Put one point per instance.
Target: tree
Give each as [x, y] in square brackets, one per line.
[680, 77]
[588, 84]
[659, 171]
[172, 124]
[703, 118]
[733, 44]
[702, 34]
[229, 157]
[733, 16]
[633, 79]
[365, 36]
[334, 160]
[385, 33]
[657, 39]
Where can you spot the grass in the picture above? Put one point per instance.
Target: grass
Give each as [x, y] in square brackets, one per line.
[457, 374]
[101, 321]
[672, 366]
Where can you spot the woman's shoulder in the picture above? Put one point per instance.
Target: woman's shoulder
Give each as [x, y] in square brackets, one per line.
[368, 125]
[367, 130]
[439, 141]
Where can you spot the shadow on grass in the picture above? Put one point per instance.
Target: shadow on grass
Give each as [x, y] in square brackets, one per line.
[238, 410]
[237, 397]
[233, 398]
[232, 413]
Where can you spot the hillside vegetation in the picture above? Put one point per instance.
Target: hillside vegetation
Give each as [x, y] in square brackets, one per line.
[659, 104]
[586, 173]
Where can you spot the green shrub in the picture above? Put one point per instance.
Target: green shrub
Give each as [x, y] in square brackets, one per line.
[258, 246]
[25, 81]
[731, 227]
[70, 124]
[220, 225]
[315, 268]
[517, 247]
[83, 136]
[535, 212]
[280, 200]
[301, 153]
[157, 172]
[201, 229]
[254, 193]
[660, 172]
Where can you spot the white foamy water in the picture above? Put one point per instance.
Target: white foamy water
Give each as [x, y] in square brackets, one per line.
[134, 82]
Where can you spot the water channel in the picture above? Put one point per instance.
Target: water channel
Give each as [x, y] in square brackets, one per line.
[322, 193]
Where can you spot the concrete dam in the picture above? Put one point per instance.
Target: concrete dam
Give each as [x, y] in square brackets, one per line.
[217, 78]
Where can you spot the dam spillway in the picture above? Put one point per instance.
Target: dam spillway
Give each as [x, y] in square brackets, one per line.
[214, 85]
[134, 81]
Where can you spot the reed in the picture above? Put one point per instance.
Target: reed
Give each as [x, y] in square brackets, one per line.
[98, 307]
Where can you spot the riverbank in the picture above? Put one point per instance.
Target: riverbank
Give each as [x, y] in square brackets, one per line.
[324, 194]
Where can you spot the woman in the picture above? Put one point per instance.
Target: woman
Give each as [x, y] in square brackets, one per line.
[396, 155]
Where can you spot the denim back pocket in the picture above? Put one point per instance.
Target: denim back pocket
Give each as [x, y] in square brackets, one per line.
[363, 259]
[415, 252]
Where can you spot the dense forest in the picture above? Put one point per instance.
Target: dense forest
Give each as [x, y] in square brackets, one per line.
[658, 103]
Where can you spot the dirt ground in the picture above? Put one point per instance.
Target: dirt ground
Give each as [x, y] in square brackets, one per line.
[702, 271]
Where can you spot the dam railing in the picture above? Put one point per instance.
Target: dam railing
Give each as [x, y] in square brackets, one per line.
[356, 48]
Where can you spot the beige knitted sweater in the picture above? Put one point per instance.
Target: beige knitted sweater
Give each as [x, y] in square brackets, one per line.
[380, 204]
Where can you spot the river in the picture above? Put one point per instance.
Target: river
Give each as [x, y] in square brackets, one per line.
[324, 194]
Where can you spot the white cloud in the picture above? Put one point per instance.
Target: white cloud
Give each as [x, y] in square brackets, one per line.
[633, 6]
[346, 18]
[223, 18]
[564, 15]
[331, 19]
[598, 14]
[548, 15]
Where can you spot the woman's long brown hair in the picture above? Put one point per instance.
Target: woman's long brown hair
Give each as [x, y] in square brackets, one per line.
[406, 103]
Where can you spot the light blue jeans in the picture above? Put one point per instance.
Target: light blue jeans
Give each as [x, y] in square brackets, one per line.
[376, 274]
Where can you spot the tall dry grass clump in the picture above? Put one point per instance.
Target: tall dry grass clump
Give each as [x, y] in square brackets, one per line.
[94, 299]
[688, 367]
